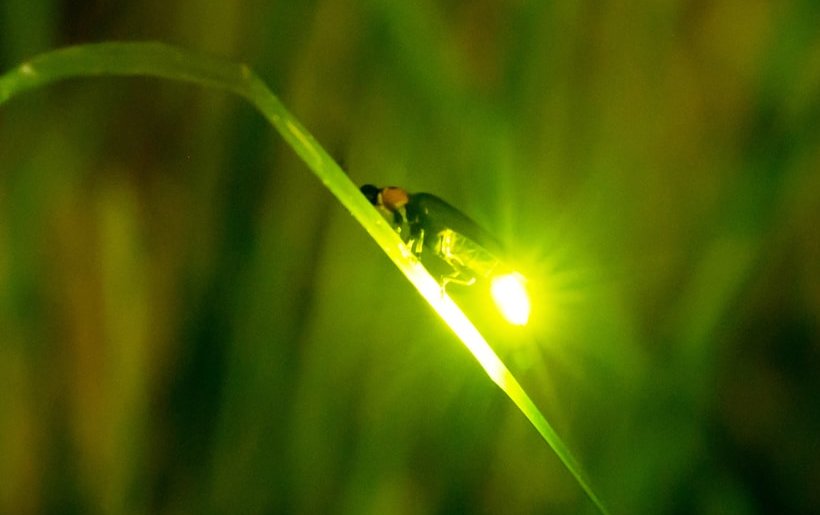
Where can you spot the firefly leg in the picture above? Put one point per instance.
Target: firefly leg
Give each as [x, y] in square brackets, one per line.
[458, 277]
[401, 223]
[416, 243]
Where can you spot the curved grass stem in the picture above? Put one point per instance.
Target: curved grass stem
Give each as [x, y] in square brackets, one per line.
[159, 60]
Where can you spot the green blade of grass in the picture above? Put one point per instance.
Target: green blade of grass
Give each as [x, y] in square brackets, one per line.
[164, 61]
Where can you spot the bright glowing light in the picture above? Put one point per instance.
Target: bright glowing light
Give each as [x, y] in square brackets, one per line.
[511, 298]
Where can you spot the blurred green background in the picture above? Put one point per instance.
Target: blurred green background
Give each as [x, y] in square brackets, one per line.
[190, 323]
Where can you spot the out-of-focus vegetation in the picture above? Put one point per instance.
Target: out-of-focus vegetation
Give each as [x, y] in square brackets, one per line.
[189, 322]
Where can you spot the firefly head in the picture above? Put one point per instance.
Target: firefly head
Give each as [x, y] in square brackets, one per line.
[371, 193]
[391, 198]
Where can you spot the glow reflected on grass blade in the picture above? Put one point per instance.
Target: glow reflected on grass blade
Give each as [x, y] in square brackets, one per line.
[458, 322]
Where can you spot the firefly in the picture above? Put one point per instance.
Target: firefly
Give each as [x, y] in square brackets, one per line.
[430, 226]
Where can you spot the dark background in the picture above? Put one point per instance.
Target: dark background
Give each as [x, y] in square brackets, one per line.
[190, 323]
